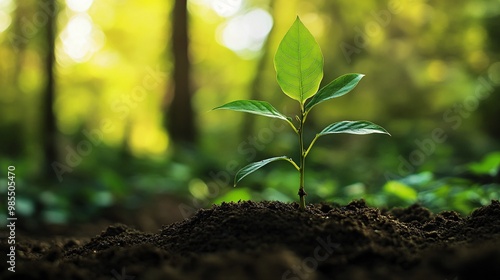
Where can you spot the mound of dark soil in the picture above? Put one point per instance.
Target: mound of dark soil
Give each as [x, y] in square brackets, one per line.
[273, 240]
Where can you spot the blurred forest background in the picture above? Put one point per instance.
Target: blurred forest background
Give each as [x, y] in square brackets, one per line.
[107, 103]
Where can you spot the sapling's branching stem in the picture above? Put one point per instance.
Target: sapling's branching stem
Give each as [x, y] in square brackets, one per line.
[302, 193]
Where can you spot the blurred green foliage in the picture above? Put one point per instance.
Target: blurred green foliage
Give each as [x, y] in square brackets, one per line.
[428, 65]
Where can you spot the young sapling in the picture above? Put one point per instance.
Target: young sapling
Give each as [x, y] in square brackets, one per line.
[299, 71]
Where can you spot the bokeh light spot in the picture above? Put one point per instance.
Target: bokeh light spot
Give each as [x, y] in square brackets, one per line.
[79, 5]
[226, 8]
[5, 21]
[81, 38]
[437, 70]
[247, 32]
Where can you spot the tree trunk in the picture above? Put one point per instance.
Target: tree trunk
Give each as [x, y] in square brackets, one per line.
[180, 118]
[14, 140]
[49, 126]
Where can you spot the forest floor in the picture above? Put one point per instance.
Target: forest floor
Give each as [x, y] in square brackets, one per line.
[273, 240]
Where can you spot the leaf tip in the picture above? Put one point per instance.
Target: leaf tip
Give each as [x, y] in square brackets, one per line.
[384, 131]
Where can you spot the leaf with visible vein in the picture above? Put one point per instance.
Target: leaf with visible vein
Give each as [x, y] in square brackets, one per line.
[299, 63]
[353, 127]
[254, 166]
[338, 87]
[261, 108]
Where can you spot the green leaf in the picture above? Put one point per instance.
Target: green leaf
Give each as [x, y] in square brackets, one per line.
[490, 165]
[338, 87]
[400, 190]
[254, 166]
[299, 63]
[353, 127]
[254, 107]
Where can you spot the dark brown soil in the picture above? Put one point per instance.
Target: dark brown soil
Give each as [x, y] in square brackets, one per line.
[273, 240]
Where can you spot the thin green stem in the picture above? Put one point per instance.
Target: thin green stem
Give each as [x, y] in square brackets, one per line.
[310, 145]
[301, 192]
[293, 163]
[293, 126]
[304, 116]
